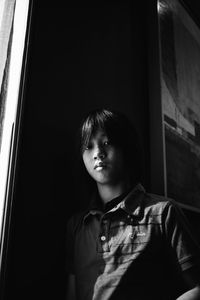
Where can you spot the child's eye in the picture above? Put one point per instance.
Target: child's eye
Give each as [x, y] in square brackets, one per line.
[86, 147]
[106, 143]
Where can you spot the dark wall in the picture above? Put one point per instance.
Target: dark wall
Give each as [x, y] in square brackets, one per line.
[82, 56]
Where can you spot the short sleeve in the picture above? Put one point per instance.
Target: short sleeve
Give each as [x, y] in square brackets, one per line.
[183, 247]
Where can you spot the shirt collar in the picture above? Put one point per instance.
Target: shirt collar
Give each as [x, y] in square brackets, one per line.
[95, 207]
[131, 204]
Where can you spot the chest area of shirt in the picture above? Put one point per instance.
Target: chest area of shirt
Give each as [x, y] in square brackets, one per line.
[120, 236]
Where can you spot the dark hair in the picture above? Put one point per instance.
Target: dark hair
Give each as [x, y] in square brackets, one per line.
[120, 132]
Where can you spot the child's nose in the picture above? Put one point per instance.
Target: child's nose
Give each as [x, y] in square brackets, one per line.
[99, 153]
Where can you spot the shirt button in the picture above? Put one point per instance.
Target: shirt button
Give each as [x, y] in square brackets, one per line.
[103, 238]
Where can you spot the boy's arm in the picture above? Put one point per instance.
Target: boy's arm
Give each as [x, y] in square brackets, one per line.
[71, 291]
[193, 294]
[193, 284]
[184, 245]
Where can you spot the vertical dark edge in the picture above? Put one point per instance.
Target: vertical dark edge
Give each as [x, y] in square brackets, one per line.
[157, 147]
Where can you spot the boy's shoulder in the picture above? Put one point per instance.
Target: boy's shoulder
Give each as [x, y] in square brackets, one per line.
[77, 216]
[140, 199]
[75, 221]
[158, 203]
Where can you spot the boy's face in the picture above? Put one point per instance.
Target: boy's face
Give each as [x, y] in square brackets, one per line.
[103, 161]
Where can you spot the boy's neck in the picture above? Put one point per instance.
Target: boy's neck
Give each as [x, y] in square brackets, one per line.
[109, 192]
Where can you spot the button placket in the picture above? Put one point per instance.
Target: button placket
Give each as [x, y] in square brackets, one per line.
[132, 232]
[103, 236]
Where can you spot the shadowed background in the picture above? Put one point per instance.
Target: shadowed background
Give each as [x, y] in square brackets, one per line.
[82, 55]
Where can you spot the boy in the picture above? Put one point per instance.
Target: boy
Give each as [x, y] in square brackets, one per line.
[128, 244]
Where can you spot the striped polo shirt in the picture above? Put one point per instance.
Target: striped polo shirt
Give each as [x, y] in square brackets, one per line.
[138, 249]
